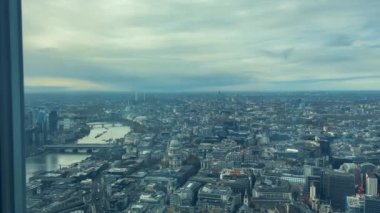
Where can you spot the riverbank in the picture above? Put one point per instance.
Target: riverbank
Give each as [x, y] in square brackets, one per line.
[51, 162]
[42, 160]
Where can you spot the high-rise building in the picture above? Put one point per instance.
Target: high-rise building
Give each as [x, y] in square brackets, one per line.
[53, 121]
[324, 147]
[40, 118]
[41, 128]
[336, 186]
[371, 204]
[371, 185]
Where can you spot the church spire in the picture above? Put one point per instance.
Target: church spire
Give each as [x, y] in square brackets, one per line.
[246, 199]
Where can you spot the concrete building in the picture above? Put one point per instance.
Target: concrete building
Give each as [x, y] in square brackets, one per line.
[371, 185]
[371, 204]
[269, 191]
[186, 195]
[355, 204]
[336, 186]
[212, 197]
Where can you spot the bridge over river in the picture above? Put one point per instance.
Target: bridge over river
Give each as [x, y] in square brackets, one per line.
[77, 148]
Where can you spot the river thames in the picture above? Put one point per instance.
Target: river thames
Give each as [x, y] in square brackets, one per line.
[101, 133]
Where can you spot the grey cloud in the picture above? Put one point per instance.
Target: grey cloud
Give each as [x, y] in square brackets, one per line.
[287, 52]
[322, 80]
[193, 45]
[340, 41]
[284, 54]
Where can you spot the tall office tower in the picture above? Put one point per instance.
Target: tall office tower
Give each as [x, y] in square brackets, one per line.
[53, 121]
[313, 192]
[41, 128]
[371, 185]
[336, 186]
[40, 118]
[371, 205]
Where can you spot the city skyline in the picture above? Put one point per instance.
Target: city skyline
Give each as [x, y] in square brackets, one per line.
[203, 45]
[190, 106]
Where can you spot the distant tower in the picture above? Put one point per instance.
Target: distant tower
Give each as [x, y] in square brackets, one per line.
[136, 97]
[53, 121]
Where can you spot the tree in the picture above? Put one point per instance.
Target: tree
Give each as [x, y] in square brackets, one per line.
[194, 161]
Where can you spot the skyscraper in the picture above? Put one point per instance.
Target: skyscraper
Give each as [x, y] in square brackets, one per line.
[371, 185]
[336, 186]
[53, 121]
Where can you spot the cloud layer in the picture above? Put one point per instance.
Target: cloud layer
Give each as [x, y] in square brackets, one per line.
[202, 45]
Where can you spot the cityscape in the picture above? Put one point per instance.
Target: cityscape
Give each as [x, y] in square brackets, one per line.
[190, 106]
[203, 152]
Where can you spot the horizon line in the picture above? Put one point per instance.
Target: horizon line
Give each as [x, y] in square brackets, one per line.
[200, 92]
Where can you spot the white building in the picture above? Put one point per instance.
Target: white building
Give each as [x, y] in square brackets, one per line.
[175, 154]
[67, 124]
[371, 185]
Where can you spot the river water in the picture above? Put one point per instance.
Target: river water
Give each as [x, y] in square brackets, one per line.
[100, 133]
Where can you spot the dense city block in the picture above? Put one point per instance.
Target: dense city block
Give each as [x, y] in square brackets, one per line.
[203, 152]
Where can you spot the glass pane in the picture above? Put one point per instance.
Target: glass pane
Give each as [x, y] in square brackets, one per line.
[202, 105]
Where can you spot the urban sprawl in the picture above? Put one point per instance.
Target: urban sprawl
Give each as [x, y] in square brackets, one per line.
[207, 152]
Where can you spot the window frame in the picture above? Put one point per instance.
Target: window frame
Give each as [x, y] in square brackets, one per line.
[12, 157]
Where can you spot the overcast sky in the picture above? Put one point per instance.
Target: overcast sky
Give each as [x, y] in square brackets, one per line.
[201, 45]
